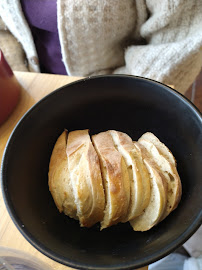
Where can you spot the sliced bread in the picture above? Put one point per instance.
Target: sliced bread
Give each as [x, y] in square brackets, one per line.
[59, 180]
[170, 173]
[138, 174]
[116, 180]
[155, 209]
[85, 176]
[163, 149]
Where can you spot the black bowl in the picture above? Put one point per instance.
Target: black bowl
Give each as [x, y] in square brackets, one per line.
[130, 104]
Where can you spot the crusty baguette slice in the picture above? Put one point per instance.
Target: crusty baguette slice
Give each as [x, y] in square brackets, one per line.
[138, 174]
[116, 180]
[86, 179]
[152, 214]
[170, 173]
[59, 180]
[163, 149]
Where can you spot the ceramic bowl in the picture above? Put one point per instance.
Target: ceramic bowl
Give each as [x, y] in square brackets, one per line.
[130, 104]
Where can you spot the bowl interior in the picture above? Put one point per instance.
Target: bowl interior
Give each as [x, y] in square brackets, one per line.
[125, 103]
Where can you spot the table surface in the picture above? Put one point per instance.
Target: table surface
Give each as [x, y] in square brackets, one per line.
[34, 87]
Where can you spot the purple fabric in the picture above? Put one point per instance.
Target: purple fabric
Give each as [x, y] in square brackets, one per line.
[41, 16]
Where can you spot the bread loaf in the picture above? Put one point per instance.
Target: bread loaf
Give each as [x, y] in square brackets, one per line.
[112, 179]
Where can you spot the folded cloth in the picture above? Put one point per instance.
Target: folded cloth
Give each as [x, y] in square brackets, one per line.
[193, 263]
[181, 262]
[177, 262]
[172, 261]
[194, 245]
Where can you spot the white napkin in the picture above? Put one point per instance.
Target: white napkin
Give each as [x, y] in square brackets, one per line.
[194, 245]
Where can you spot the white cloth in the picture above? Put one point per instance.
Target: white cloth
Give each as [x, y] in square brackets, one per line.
[173, 261]
[194, 245]
[193, 264]
[176, 261]
[180, 262]
[104, 36]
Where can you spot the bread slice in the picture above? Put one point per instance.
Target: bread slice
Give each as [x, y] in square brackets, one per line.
[116, 180]
[59, 180]
[152, 214]
[170, 173]
[85, 175]
[162, 148]
[138, 174]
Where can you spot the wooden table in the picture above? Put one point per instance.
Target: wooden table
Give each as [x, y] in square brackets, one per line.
[34, 87]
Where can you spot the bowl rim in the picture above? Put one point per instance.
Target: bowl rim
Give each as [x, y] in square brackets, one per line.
[45, 250]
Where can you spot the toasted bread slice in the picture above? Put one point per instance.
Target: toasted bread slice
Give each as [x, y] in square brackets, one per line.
[155, 209]
[170, 173]
[116, 180]
[59, 180]
[162, 148]
[138, 174]
[85, 175]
